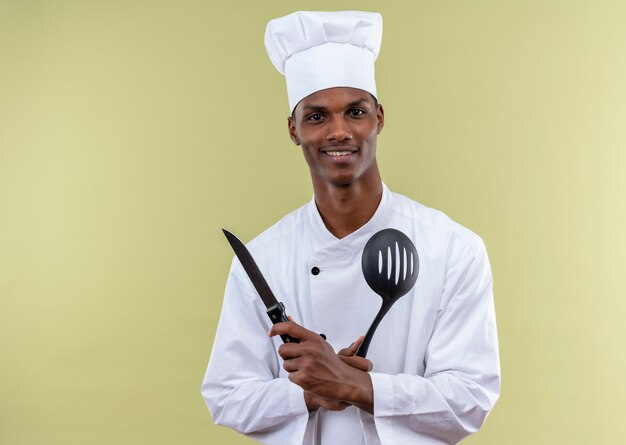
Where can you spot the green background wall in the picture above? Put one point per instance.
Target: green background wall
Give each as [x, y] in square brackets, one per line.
[132, 131]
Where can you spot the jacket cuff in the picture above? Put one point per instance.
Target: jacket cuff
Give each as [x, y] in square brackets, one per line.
[383, 394]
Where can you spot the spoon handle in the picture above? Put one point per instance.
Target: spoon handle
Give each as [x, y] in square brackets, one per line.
[365, 344]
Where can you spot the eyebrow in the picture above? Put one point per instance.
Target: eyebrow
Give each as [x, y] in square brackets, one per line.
[313, 108]
[322, 108]
[357, 102]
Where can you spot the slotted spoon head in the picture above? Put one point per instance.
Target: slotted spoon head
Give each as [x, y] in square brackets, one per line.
[390, 267]
[390, 264]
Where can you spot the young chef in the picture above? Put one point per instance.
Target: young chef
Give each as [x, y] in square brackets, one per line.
[432, 371]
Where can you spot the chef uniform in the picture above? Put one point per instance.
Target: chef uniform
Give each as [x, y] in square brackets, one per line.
[435, 358]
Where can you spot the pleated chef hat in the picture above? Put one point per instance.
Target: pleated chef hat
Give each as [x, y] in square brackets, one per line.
[319, 50]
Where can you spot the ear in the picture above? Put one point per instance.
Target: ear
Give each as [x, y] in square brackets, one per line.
[291, 124]
[380, 116]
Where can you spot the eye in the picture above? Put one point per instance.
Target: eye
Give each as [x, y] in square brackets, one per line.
[355, 112]
[315, 117]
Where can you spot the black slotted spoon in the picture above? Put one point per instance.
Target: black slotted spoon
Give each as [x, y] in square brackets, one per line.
[390, 267]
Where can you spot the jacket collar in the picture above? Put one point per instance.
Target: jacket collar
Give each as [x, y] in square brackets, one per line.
[356, 240]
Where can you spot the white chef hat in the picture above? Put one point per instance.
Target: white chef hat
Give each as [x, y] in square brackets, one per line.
[319, 50]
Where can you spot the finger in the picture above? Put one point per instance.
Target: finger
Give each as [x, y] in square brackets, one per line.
[332, 405]
[351, 350]
[357, 343]
[311, 401]
[357, 363]
[360, 363]
[289, 351]
[314, 401]
[291, 365]
[293, 377]
[346, 352]
[293, 329]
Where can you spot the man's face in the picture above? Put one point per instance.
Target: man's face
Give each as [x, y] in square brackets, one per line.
[337, 129]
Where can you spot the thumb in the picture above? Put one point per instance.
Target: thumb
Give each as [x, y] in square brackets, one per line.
[358, 362]
[351, 350]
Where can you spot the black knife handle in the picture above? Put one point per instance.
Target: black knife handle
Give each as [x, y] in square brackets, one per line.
[277, 315]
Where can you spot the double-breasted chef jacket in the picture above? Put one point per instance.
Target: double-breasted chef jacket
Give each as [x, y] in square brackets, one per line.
[436, 372]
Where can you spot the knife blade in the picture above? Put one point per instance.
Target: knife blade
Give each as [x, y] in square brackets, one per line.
[275, 309]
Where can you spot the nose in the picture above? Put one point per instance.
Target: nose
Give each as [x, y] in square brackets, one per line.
[339, 130]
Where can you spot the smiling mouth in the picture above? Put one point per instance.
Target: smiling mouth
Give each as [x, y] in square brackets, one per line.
[338, 153]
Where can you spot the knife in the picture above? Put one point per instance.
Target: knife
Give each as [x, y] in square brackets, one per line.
[275, 308]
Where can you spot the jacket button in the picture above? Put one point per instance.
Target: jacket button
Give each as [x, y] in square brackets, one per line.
[315, 271]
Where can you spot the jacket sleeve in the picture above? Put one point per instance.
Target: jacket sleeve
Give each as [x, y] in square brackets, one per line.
[461, 381]
[242, 387]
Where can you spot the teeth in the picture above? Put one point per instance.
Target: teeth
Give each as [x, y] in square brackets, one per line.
[339, 153]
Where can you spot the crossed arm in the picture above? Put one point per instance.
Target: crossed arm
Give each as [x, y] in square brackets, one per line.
[329, 380]
[444, 403]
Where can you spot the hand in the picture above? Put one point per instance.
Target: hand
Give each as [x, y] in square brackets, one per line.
[313, 365]
[313, 402]
[346, 355]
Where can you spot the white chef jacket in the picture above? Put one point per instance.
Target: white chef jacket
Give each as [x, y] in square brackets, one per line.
[436, 369]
